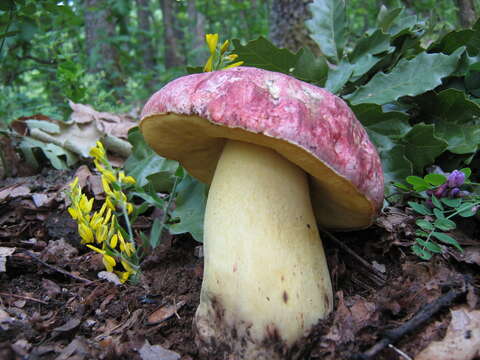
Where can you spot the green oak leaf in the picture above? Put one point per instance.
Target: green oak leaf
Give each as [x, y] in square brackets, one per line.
[189, 208]
[451, 41]
[148, 167]
[311, 68]
[338, 76]
[385, 129]
[263, 54]
[385, 17]
[396, 166]
[408, 78]
[328, 26]
[456, 119]
[363, 55]
[422, 146]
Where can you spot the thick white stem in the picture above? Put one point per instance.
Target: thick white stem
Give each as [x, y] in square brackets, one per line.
[266, 281]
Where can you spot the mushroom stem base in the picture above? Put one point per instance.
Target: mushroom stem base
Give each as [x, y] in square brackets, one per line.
[266, 281]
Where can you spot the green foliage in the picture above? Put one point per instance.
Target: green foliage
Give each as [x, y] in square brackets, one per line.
[408, 78]
[417, 103]
[442, 201]
[328, 26]
[44, 59]
[263, 54]
[156, 174]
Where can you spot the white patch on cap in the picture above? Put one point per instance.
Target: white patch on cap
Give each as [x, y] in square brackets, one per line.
[273, 89]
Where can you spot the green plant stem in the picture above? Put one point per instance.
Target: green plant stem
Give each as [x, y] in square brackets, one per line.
[169, 204]
[466, 208]
[127, 223]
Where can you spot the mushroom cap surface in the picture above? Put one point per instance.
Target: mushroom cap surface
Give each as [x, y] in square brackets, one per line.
[190, 118]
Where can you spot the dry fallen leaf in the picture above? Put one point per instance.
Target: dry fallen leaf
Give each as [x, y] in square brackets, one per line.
[462, 340]
[109, 276]
[77, 349]
[156, 352]
[164, 313]
[13, 191]
[70, 325]
[4, 253]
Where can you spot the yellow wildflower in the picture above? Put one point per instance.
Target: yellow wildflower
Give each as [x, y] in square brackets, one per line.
[110, 204]
[109, 176]
[224, 47]
[231, 57]
[107, 217]
[233, 65]
[85, 204]
[96, 221]
[85, 233]
[75, 213]
[114, 241]
[129, 208]
[109, 262]
[209, 65]
[106, 187]
[99, 166]
[101, 233]
[119, 196]
[212, 41]
[123, 275]
[126, 179]
[74, 183]
[127, 266]
[96, 153]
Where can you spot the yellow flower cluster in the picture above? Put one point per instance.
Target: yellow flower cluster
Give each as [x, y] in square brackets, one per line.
[215, 62]
[102, 227]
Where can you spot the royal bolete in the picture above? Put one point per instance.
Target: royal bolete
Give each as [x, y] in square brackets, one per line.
[280, 155]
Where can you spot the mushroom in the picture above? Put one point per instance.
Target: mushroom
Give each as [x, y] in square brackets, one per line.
[280, 155]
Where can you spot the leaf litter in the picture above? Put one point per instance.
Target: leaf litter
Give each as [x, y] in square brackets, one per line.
[48, 312]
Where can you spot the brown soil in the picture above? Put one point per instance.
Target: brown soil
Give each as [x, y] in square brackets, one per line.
[45, 314]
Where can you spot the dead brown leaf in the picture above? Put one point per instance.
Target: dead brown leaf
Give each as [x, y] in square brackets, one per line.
[156, 352]
[77, 348]
[70, 325]
[462, 341]
[4, 253]
[51, 288]
[107, 123]
[164, 313]
[14, 191]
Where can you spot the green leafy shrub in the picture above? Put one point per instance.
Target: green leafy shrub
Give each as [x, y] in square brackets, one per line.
[443, 199]
[419, 101]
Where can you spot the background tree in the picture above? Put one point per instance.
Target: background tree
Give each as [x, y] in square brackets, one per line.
[466, 12]
[99, 31]
[287, 25]
[140, 45]
[171, 34]
[146, 48]
[196, 30]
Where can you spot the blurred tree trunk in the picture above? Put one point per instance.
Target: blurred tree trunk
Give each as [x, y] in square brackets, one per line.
[466, 12]
[172, 35]
[147, 51]
[287, 25]
[99, 30]
[196, 27]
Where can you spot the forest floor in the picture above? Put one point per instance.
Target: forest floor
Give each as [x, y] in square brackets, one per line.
[53, 305]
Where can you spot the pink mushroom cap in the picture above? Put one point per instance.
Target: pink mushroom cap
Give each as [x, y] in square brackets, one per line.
[191, 117]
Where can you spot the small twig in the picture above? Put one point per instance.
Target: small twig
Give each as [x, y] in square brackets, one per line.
[399, 352]
[422, 316]
[61, 271]
[378, 274]
[175, 308]
[24, 298]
